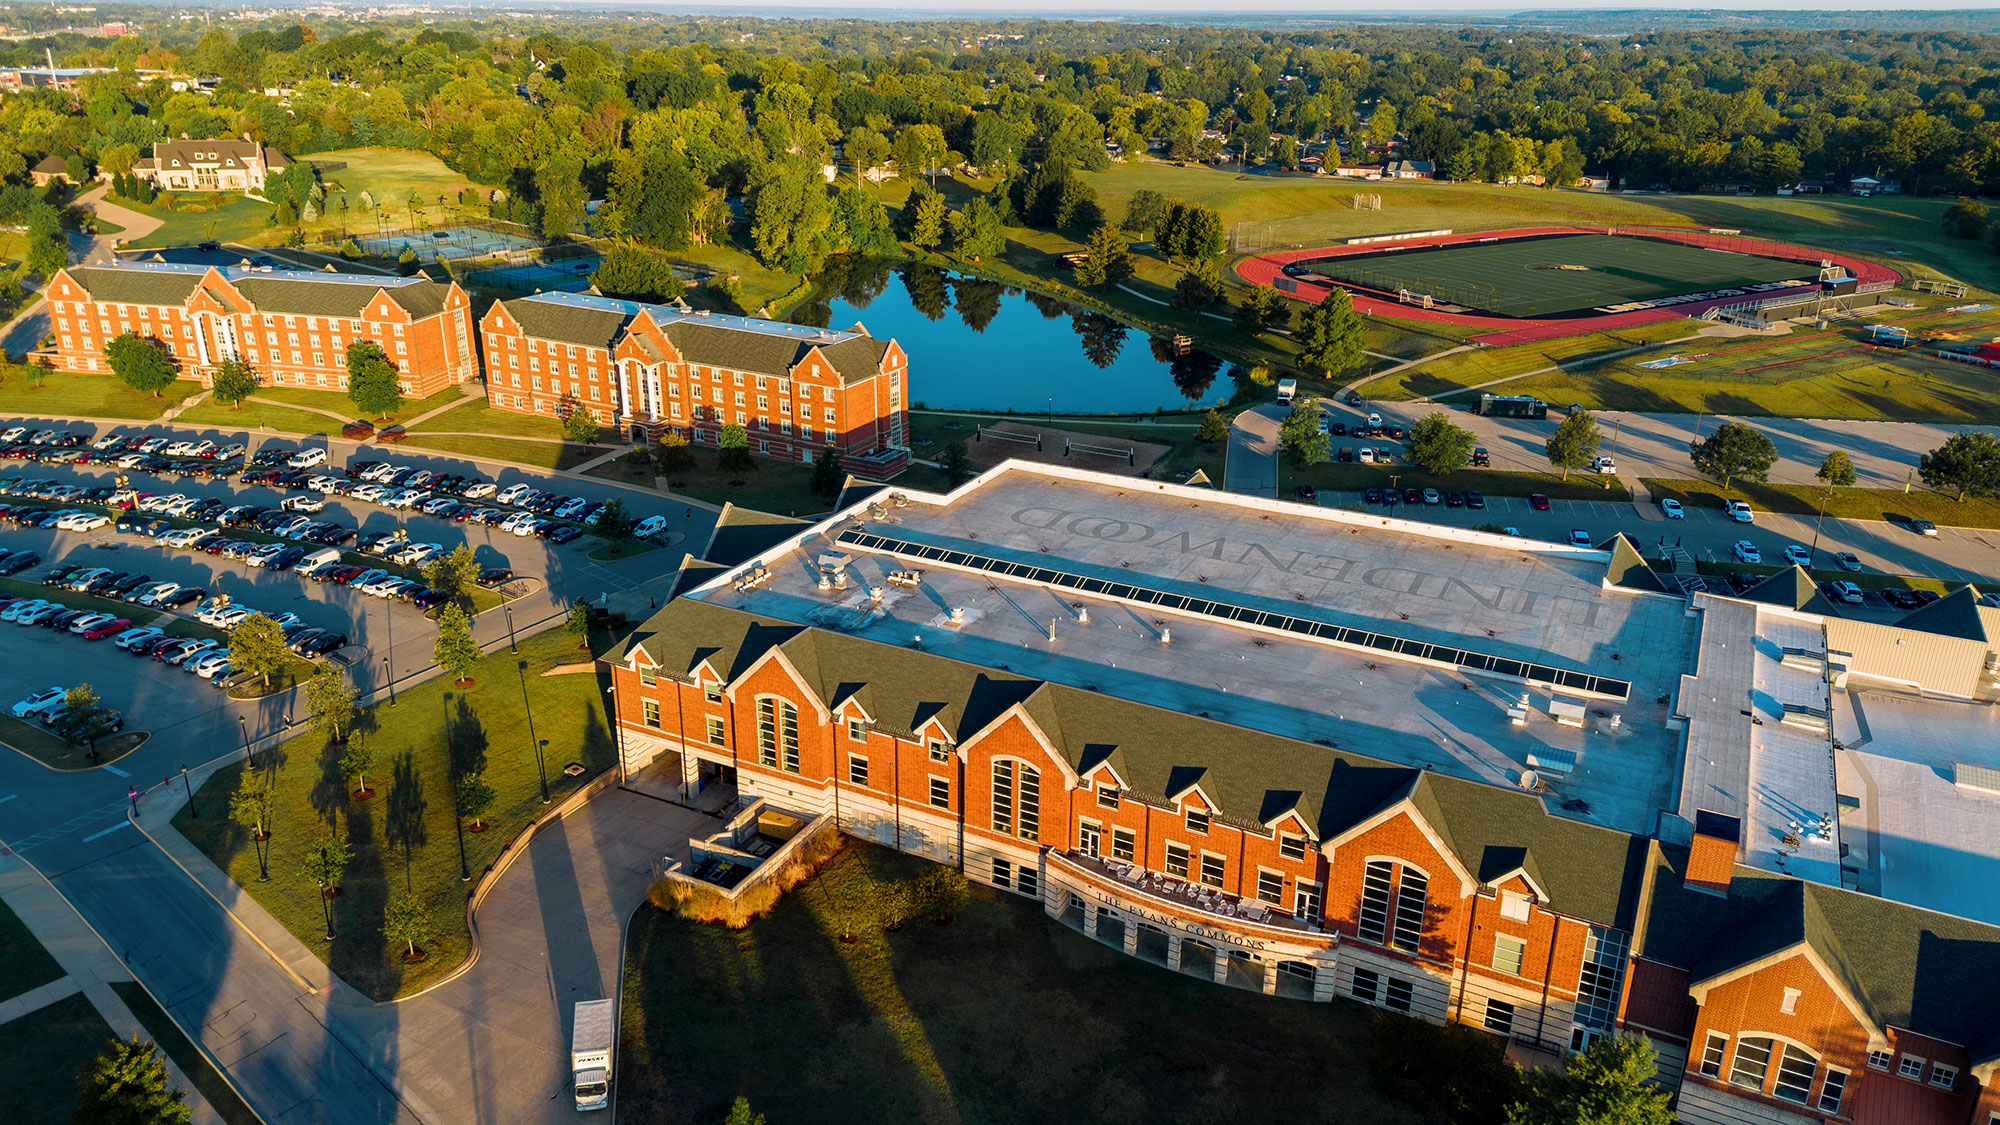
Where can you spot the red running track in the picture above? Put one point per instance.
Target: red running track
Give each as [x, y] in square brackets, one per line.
[1264, 269]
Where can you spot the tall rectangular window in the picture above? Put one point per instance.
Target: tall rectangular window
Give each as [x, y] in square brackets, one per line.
[1211, 869]
[1017, 797]
[1366, 985]
[651, 707]
[777, 734]
[1753, 1062]
[1089, 837]
[1270, 887]
[941, 792]
[1711, 1054]
[1508, 953]
[1796, 1068]
[1410, 910]
[716, 737]
[1177, 860]
[1377, 884]
[1123, 844]
[1305, 900]
[857, 770]
[1832, 1090]
[1602, 978]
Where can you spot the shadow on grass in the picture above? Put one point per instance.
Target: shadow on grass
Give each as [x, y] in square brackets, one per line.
[403, 812]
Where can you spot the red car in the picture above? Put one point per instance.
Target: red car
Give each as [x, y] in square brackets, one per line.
[1539, 502]
[107, 629]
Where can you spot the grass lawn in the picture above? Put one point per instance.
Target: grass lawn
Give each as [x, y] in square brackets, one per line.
[44, 1050]
[168, 1036]
[257, 416]
[389, 175]
[37, 743]
[998, 1016]
[541, 454]
[1447, 374]
[64, 394]
[481, 417]
[770, 486]
[196, 217]
[622, 549]
[24, 964]
[1890, 504]
[402, 837]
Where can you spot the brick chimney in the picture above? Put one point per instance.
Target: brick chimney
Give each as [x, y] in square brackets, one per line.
[1712, 856]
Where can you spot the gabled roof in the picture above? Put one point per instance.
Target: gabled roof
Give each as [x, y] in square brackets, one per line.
[738, 343]
[279, 292]
[1792, 588]
[1629, 570]
[1906, 967]
[741, 534]
[1954, 615]
[52, 164]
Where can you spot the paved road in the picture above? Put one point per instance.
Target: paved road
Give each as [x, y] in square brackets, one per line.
[1252, 467]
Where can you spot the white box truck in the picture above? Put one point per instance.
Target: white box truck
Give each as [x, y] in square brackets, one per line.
[1288, 389]
[590, 1052]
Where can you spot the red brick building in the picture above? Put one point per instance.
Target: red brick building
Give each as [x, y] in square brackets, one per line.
[1304, 869]
[292, 326]
[646, 369]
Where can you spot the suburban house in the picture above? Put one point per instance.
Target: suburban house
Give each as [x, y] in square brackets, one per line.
[648, 369]
[292, 326]
[1410, 170]
[49, 170]
[215, 165]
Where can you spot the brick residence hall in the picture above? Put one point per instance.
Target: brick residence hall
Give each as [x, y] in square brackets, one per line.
[1528, 787]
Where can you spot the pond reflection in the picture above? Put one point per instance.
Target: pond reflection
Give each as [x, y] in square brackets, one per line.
[1008, 349]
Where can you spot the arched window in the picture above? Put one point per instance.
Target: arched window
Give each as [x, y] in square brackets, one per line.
[777, 734]
[1392, 911]
[1017, 799]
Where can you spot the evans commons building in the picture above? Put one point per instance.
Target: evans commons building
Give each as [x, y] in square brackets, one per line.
[1461, 776]
[293, 326]
[645, 369]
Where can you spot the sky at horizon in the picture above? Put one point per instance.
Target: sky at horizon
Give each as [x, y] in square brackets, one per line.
[1320, 7]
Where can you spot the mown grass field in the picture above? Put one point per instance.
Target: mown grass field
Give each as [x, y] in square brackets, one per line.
[390, 176]
[403, 838]
[1002, 1015]
[34, 393]
[1892, 505]
[194, 217]
[1449, 374]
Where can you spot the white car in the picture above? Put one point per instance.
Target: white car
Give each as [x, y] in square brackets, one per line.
[1739, 510]
[38, 614]
[515, 522]
[233, 616]
[183, 537]
[202, 448]
[421, 554]
[81, 579]
[215, 669]
[13, 433]
[308, 459]
[90, 621]
[21, 609]
[513, 493]
[650, 526]
[371, 493]
[377, 472]
[90, 521]
[212, 659]
[129, 460]
[233, 450]
[570, 509]
[1797, 555]
[1747, 551]
[380, 587]
[151, 595]
[141, 635]
[303, 503]
[1607, 467]
[480, 491]
[527, 527]
[262, 555]
[1848, 591]
[40, 702]
[179, 448]
[105, 442]
[323, 485]
[209, 610]
[1671, 508]
[183, 505]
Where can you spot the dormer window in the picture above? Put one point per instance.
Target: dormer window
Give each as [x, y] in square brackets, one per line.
[1197, 822]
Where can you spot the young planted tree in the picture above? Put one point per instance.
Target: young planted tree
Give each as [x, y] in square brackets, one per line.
[356, 759]
[141, 364]
[1574, 444]
[454, 650]
[1734, 450]
[577, 624]
[581, 427]
[453, 573]
[672, 455]
[613, 521]
[732, 449]
[1608, 1084]
[408, 922]
[740, 1113]
[126, 1084]
[330, 703]
[939, 893]
[1439, 445]
[827, 478]
[1214, 427]
[84, 718]
[250, 807]
[475, 798]
[1837, 471]
[1330, 337]
[1300, 438]
[258, 647]
[1966, 464]
[234, 381]
[372, 382]
[323, 866]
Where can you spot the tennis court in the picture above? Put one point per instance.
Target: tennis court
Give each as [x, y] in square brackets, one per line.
[447, 243]
[569, 276]
[1540, 277]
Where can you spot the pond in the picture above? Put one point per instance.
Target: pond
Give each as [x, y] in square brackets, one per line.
[976, 344]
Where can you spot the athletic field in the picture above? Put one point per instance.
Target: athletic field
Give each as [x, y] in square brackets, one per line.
[1518, 279]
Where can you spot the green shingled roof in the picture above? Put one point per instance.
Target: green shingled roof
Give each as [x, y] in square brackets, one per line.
[135, 287]
[741, 534]
[710, 345]
[597, 328]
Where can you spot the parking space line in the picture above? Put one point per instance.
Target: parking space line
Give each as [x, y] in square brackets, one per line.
[107, 831]
[116, 770]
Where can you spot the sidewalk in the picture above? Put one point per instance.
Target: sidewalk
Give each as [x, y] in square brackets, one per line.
[88, 966]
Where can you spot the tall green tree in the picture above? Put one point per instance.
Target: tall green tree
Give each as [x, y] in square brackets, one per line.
[1575, 443]
[1734, 450]
[127, 1084]
[1608, 1084]
[861, 224]
[357, 758]
[454, 650]
[1966, 464]
[673, 454]
[975, 231]
[580, 426]
[865, 150]
[1262, 310]
[740, 1113]
[141, 364]
[1199, 287]
[1330, 337]
[957, 463]
[1837, 470]
[1142, 211]
[257, 646]
[732, 452]
[1966, 218]
[330, 703]
[924, 218]
[1299, 436]
[453, 573]
[791, 218]
[84, 719]
[1107, 259]
[1439, 445]
[372, 382]
[1214, 428]
[475, 797]
[234, 381]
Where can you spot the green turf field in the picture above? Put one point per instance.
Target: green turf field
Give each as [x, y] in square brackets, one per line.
[1520, 279]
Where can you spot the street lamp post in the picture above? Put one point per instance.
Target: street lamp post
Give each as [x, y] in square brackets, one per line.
[243, 728]
[1812, 554]
[193, 813]
[509, 611]
[464, 868]
[326, 911]
[521, 673]
[389, 671]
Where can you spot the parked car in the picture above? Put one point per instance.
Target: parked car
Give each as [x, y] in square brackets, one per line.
[1538, 502]
[1747, 551]
[1578, 537]
[104, 629]
[1848, 560]
[1671, 508]
[1739, 510]
[1475, 499]
[494, 576]
[1797, 555]
[39, 702]
[1924, 527]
